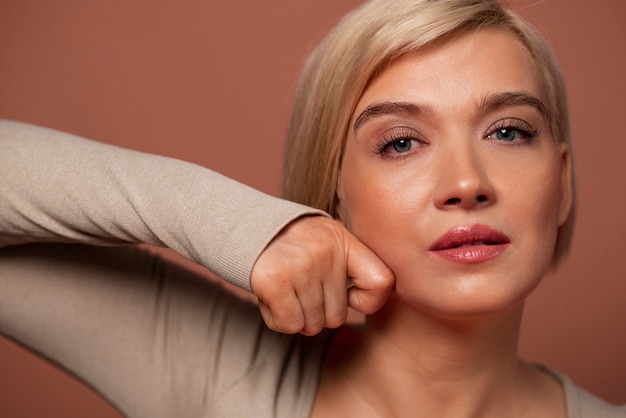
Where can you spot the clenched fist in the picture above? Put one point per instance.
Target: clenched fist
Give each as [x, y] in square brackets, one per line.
[312, 271]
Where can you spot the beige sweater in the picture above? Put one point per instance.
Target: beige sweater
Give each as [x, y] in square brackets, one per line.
[153, 338]
[60, 188]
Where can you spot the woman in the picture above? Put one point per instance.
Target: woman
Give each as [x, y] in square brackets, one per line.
[425, 135]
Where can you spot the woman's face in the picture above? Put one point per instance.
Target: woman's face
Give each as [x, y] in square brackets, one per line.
[452, 176]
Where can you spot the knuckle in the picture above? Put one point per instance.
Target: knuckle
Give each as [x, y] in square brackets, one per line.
[288, 327]
[313, 329]
[334, 322]
[385, 278]
[288, 321]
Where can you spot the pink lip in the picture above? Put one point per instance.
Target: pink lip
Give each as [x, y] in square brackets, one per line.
[470, 244]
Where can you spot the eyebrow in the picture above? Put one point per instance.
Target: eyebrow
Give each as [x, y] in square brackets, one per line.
[487, 104]
[513, 98]
[387, 108]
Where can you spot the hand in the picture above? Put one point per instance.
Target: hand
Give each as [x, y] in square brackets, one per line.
[312, 271]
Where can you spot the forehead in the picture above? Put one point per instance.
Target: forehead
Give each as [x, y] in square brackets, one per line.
[457, 72]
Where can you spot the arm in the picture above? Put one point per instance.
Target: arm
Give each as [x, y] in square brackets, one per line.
[57, 187]
[135, 329]
[153, 338]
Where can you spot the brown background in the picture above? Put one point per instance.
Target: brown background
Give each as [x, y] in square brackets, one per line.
[211, 82]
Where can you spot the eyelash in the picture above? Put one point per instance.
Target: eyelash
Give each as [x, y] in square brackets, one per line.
[528, 132]
[382, 148]
[517, 125]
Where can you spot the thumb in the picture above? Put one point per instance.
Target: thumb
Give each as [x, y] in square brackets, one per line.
[371, 280]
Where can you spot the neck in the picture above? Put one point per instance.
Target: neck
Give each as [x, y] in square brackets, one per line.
[444, 348]
[444, 367]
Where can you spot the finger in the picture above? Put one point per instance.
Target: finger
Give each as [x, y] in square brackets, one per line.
[286, 317]
[372, 279]
[336, 298]
[278, 303]
[311, 298]
[266, 313]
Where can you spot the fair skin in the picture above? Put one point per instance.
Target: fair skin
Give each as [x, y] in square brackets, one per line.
[301, 278]
[452, 139]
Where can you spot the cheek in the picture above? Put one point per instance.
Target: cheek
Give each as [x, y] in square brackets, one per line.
[383, 212]
[542, 196]
[533, 208]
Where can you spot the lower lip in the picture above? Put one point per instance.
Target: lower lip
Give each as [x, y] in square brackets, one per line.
[472, 254]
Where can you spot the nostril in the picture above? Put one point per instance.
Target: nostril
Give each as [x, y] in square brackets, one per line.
[454, 201]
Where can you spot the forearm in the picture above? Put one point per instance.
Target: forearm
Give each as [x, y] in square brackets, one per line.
[60, 188]
[130, 324]
[155, 339]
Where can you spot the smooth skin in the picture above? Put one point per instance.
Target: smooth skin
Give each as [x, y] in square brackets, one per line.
[445, 343]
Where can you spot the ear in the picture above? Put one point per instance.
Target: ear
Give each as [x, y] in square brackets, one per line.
[567, 193]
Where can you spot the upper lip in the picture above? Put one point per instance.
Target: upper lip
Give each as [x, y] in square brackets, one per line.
[469, 235]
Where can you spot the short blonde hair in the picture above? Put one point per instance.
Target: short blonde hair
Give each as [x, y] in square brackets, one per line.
[357, 50]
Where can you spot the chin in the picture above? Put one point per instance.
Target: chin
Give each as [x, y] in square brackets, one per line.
[473, 310]
[472, 297]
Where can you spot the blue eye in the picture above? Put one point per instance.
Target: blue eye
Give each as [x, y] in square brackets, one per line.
[397, 147]
[402, 145]
[507, 134]
[512, 130]
[399, 142]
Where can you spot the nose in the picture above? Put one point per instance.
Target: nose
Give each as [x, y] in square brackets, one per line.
[463, 181]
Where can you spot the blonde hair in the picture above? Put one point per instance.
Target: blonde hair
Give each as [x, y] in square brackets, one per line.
[357, 50]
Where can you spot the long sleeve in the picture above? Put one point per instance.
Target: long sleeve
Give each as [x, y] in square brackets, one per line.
[153, 338]
[56, 187]
[150, 336]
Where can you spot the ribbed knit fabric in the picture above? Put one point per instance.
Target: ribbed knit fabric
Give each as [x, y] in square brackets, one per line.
[58, 187]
